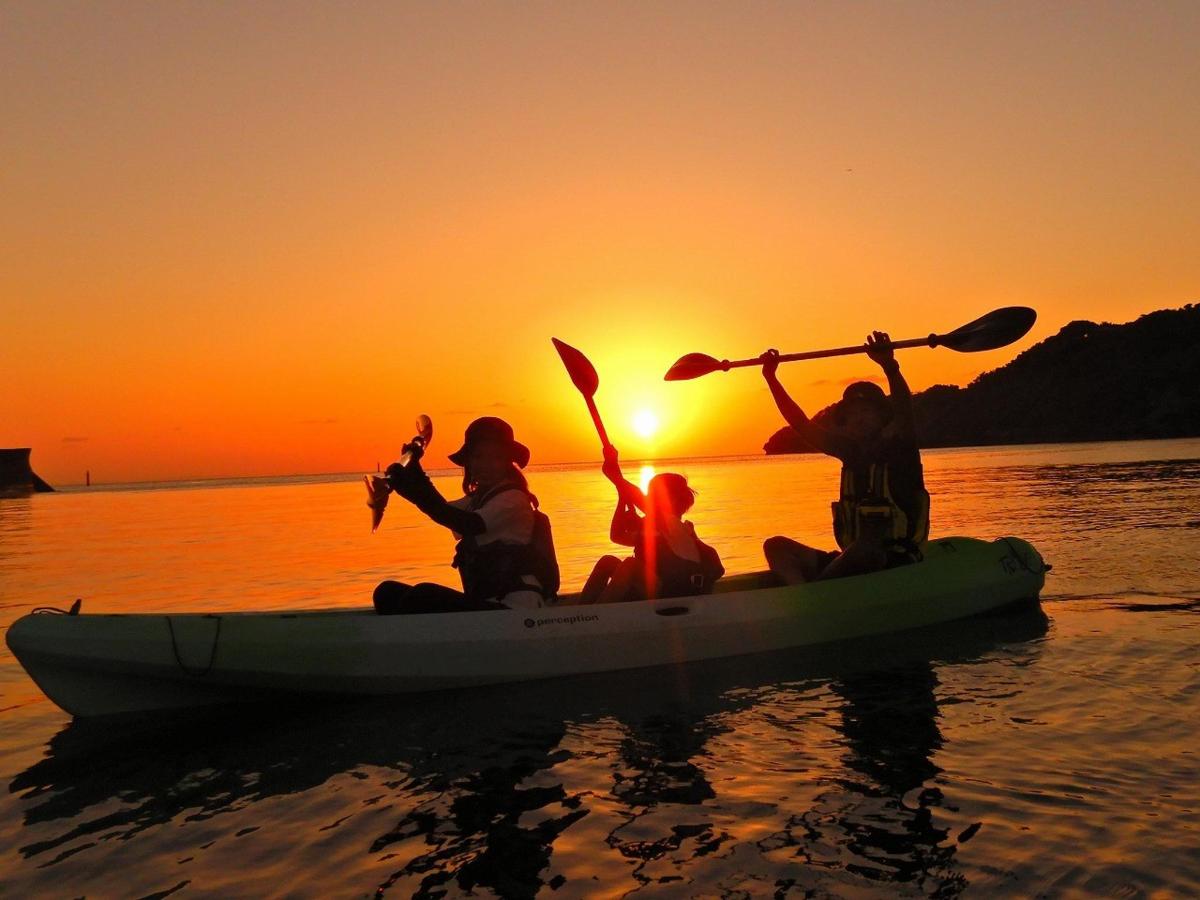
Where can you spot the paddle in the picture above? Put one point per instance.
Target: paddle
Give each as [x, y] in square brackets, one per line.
[583, 375]
[420, 441]
[378, 488]
[997, 329]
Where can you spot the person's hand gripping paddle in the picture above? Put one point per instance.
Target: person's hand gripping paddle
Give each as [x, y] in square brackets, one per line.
[583, 375]
[378, 488]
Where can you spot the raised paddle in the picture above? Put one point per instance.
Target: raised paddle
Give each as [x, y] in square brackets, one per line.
[378, 487]
[583, 375]
[998, 328]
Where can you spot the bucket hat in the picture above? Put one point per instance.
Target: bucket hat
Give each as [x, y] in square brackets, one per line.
[865, 392]
[491, 428]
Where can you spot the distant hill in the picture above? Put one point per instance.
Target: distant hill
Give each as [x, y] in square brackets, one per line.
[1089, 382]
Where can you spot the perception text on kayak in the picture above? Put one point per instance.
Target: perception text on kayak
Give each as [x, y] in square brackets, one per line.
[559, 620]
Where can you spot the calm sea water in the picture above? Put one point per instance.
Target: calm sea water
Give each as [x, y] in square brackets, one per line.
[1020, 755]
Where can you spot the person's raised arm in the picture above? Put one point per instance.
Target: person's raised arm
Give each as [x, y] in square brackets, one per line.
[626, 525]
[628, 493]
[813, 435]
[880, 350]
[411, 483]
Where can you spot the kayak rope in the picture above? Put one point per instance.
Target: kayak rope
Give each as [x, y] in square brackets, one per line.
[212, 656]
[1024, 563]
[55, 611]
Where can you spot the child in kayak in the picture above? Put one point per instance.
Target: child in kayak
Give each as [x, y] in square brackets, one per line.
[505, 554]
[881, 517]
[668, 559]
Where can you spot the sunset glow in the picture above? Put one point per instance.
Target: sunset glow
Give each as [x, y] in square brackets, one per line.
[598, 449]
[228, 254]
[645, 423]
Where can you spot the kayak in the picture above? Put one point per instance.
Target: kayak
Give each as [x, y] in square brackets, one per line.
[100, 664]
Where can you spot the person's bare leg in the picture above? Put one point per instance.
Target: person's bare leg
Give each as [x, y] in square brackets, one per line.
[602, 572]
[859, 558]
[622, 585]
[791, 561]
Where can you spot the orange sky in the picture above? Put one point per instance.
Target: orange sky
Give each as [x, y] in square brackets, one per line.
[260, 238]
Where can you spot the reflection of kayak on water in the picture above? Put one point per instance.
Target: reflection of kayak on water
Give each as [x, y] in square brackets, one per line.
[95, 664]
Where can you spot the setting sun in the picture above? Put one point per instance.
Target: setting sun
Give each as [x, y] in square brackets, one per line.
[645, 423]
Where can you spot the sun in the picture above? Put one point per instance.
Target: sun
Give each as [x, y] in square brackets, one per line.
[645, 423]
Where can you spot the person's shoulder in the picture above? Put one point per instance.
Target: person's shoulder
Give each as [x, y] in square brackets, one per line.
[901, 445]
[845, 449]
[829, 441]
[512, 497]
[902, 439]
[670, 526]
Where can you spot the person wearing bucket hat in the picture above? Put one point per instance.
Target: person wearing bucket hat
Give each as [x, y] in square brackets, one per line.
[862, 395]
[490, 429]
[505, 552]
[881, 516]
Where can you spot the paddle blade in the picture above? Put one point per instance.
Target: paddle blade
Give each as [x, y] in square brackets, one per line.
[377, 498]
[998, 328]
[692, 366]
[582, 372]
[416, 447]
[425, 429]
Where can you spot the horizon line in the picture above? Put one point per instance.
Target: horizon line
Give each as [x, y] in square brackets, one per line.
[577, 464]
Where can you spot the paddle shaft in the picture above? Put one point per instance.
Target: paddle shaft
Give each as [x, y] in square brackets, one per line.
[591, 405]
[931, 341]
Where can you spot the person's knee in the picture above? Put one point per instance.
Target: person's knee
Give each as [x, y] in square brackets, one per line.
[773, 547]
[387, 589]
[600, 575]
[388, 596]
[606, 563]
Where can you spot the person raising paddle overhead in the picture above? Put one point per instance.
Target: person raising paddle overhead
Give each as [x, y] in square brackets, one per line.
[881, 517]
[668, 559]
[505, 553]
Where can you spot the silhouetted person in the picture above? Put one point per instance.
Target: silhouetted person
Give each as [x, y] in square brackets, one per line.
[668, 559]
[881, 517]
[504, 554]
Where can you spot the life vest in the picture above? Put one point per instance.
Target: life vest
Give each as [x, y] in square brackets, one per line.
[678, 576]
[496, 569]
[868, 504]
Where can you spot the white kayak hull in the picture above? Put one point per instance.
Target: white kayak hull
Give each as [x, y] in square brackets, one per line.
[96, 664]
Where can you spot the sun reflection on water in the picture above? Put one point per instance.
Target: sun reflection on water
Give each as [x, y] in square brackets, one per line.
[644, 476]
